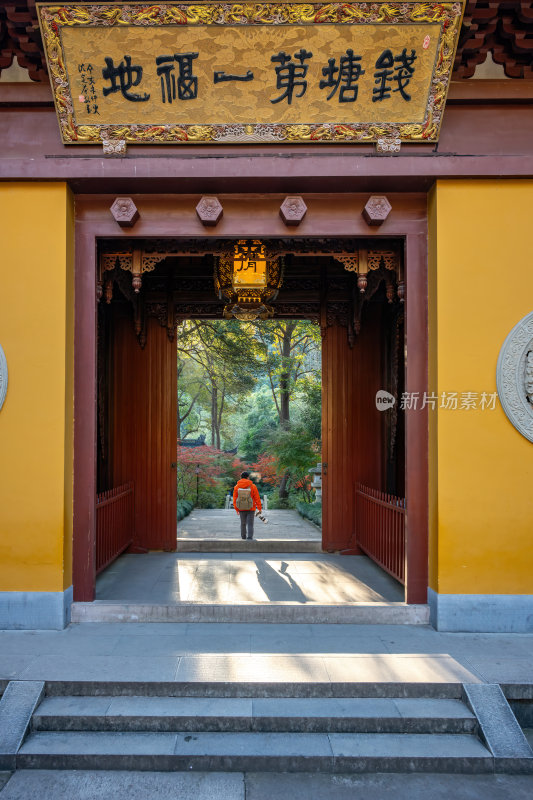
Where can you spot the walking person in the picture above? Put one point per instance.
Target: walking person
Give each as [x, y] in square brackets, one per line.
[245, 502]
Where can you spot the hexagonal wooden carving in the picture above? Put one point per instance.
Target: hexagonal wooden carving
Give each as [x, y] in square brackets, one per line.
[376, 210]
[125, 212]
[293, 210]
[209, 211]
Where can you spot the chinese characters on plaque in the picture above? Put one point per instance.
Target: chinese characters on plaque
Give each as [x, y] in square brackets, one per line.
[220, 72]
[391, 74]
[88, 94]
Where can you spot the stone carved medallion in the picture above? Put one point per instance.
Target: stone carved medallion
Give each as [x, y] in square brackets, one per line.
[3, 377]
[514, 376]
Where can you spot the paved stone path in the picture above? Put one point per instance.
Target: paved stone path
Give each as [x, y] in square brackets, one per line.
[275, 652]
[93, 785]
[166, 578]
[219, 523]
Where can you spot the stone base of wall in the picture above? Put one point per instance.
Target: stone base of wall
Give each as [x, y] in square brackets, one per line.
[481, 613]
[35, 610]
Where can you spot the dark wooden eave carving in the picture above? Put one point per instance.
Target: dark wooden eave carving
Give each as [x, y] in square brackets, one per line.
[20, 38]
[178, 282]
[503, 28]
[310, 246]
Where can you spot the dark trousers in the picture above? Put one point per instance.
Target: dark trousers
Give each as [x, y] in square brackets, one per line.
[247, 521]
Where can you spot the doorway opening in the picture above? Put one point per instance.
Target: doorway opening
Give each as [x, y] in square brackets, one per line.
[249, 400]
[157, 301]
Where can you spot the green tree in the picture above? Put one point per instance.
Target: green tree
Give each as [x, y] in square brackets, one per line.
[310, 406]
[292, 351]
[191, 393]
[257, 424]
[228, 360]
[295, 451]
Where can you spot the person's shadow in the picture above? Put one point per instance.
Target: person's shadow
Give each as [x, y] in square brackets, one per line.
[276, 587]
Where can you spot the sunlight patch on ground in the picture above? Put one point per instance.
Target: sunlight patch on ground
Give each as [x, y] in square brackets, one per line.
[168, 578]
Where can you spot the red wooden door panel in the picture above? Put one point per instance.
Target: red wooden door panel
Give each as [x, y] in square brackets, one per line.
[352, 427]
[144, 429]
[338, 428]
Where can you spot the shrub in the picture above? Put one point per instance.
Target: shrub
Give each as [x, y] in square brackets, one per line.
[274, 501]
[184, 508]
[311, 511]
[293, 450]
[212, 496]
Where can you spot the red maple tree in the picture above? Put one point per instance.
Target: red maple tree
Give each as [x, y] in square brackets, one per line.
[267, 466]
[210, 464]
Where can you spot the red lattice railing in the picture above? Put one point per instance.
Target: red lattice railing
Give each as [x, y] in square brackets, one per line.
[381, 529]
[114, 524]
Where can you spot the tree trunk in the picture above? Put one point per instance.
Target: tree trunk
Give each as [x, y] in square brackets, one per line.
[283, 488]
[284, 395]
[284, 378]
[219, 416]
[181, 419]
[214, 414]
[284, 389]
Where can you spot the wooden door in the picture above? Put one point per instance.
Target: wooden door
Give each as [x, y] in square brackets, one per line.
[352, 427]
[338, 440]
[144, 415]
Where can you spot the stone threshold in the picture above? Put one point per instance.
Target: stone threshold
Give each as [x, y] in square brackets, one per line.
[379, 613]
[190, 545]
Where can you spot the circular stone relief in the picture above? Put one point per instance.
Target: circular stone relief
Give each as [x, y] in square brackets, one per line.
[514, 376]
[3, 377]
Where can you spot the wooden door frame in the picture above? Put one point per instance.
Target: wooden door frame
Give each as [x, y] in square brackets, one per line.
[174, 216]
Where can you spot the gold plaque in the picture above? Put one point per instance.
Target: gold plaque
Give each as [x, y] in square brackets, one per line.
[285, 72]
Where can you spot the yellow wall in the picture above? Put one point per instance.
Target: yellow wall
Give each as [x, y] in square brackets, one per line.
[36, 333]
[481, 468]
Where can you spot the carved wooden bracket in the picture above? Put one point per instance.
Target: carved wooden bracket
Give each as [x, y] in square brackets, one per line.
[362, 261]
[135, 261]
[376, 210]
[108, 262]
[114, 148]
[350, 261]
[292, 211]
[166, 315]
[388, 145]
[388, 259]
[372, 267]
[125, 212]
[209, 211]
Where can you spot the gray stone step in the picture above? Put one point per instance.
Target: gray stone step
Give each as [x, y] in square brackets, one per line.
[305, 715]
[196, 687]
[189, 545]
[377, 613]
[257, 752]
[96, 785]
